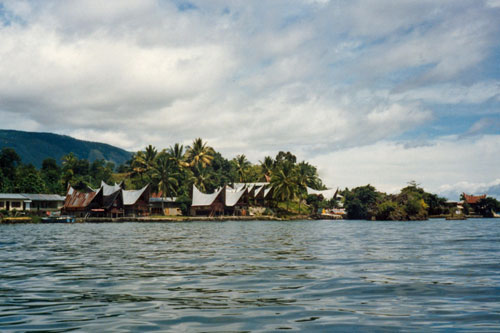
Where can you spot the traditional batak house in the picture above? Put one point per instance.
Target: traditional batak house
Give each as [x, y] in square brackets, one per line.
[237, 200]
[136, 203]
[107, 201]
[234, 200]
[473, 200]
[81, 203]
[207, 204]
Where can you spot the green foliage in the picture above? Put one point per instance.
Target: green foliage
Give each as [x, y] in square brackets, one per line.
[28, 180]
[488, 206]
[9, 160]
[412, 203]
[184, 202]
[360, 202]
[386, 210]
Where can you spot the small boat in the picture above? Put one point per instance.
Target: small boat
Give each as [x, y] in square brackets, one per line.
[58, 219]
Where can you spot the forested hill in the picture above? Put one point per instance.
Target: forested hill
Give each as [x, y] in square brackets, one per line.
[34, 147]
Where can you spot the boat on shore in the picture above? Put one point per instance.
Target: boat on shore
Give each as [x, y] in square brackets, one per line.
[58, 219]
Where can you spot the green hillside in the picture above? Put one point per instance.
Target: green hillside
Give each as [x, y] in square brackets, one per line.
[34, 147]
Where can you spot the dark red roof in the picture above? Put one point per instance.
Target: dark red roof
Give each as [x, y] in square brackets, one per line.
[473, 199]
[78, 200]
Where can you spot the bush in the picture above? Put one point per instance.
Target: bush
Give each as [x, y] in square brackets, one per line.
[385, 209]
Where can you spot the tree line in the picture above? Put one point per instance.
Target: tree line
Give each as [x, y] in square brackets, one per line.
[174, 170]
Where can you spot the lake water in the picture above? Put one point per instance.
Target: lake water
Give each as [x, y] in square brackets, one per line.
[251, 276]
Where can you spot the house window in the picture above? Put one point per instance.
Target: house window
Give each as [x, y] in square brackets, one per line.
[2, 204]
[16, 204]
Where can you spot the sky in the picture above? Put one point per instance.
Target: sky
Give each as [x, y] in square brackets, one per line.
[371, 92]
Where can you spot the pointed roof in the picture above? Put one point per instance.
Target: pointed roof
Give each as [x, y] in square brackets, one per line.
[76, 199]
[202, 199]
[473, 199]
[130, 197]
[327, 194]
[234, 196]
[110, 189]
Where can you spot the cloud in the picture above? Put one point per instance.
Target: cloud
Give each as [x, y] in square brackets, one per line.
[390, 165]
[320, 78]
[453, 191]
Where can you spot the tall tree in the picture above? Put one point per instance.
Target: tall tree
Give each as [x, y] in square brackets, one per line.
[164, 176]
[9, 161]
[176, 154]
[28, 180]
[51, 175]
[267, 167]
[241, 165]
[199, 154]
[202, 178]
[284, 183]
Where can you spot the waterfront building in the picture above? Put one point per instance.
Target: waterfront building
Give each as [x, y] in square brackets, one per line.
[207, 204]
[107, 201]
[472, 201]
[31, 202]
[161, 205]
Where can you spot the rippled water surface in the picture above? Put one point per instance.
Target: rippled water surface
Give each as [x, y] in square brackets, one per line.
[251, 276]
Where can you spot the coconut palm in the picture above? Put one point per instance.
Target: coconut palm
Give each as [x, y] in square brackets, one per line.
[284, 183]
[267, 166]
[139, 165]
[241, 165]
[201, 178]
[176, 154]
[164, 175]
[199, 154]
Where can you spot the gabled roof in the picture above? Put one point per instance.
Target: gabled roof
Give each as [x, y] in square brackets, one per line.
[202, 199]
[259, 192]
[130, 197]
[268, 192]
[327, 194]
[473, 199]
[110, 189]
[109, 199]
[75, 199]
[233, 196]
[13, 196]
[44, 197]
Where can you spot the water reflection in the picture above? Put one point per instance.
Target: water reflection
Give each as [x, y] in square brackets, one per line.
[250, 276]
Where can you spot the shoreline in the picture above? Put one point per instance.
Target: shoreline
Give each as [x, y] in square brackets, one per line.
[191, 219]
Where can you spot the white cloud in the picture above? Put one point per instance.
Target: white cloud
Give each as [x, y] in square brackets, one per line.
[320, 78]
[389, 166]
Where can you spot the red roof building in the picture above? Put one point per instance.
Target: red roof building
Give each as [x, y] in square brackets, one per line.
[473, 199]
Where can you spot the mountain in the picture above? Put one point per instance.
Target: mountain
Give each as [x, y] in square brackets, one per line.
[34, 147]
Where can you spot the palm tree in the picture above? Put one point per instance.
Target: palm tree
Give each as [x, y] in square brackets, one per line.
[144, 161]
[164, 175]
[304, 178]
[284, 182]
[199, 153]
[176, 154]
[241, 165]
[139, 165]
[267, 166]
[150, 155]
[201, 178]
[69, 162]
